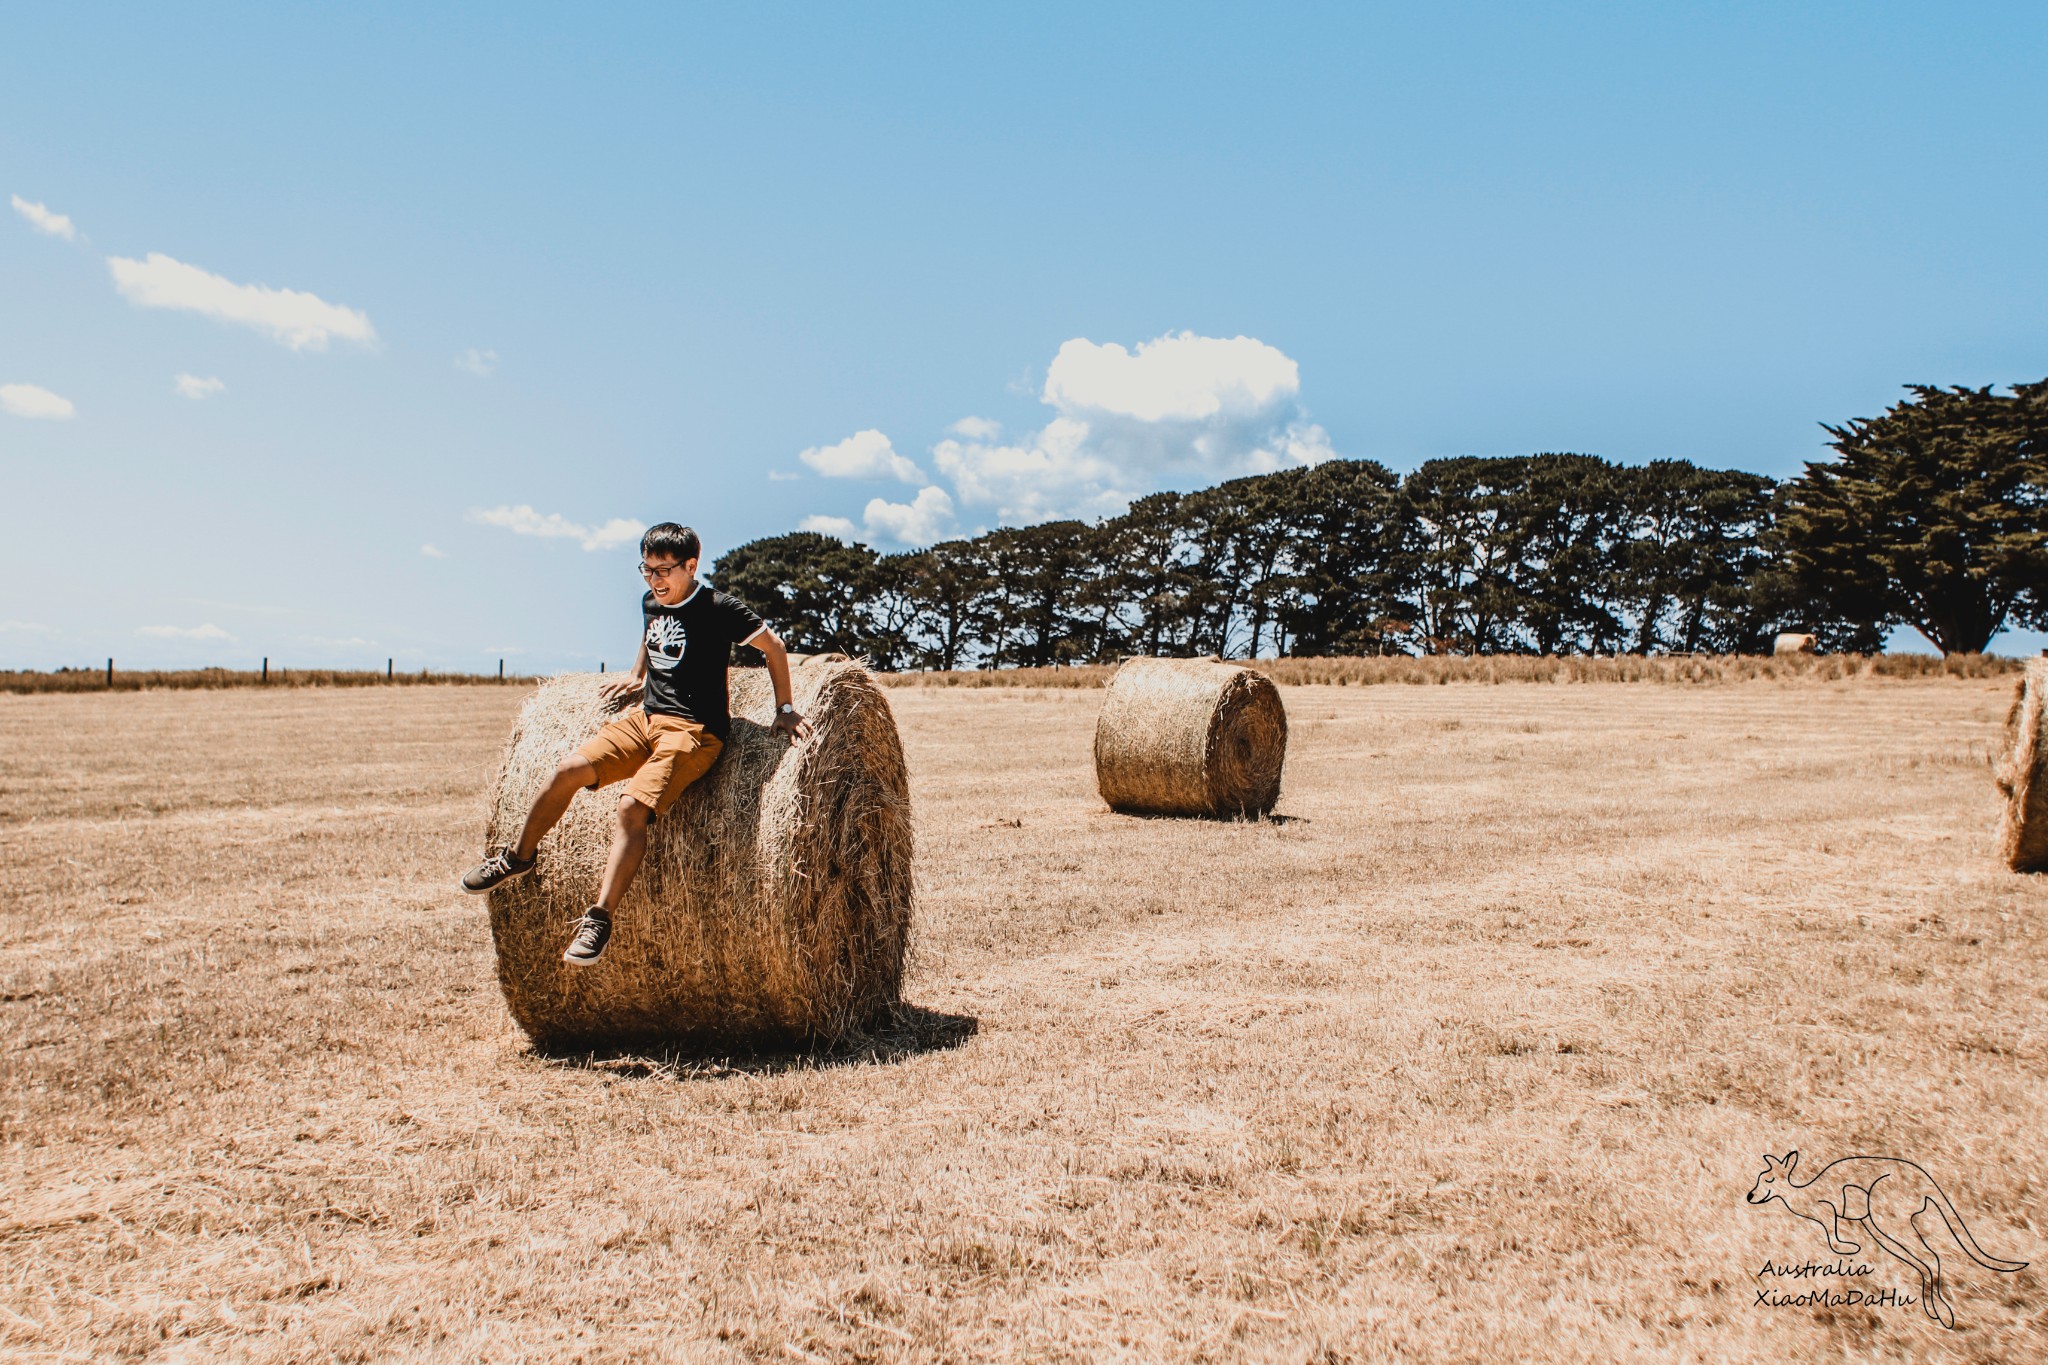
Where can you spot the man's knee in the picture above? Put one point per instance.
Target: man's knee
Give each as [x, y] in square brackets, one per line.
[576, 771]
[634, 818]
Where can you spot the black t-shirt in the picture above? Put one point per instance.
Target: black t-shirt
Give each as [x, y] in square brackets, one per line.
[688, 646]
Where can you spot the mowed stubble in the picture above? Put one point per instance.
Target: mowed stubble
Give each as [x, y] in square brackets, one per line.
[1476, 1051]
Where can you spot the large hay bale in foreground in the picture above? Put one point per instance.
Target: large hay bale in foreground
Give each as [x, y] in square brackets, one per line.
[1190, 737]
[774, 904]
[2023, 776]
[1789, 643]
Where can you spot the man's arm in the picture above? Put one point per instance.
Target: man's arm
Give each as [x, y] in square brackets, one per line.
[787, 721]
[629, 683]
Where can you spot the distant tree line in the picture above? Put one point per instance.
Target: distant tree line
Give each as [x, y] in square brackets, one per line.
[1934, 514]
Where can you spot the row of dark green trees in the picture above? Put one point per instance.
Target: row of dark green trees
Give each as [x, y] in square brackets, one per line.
[1934, 515]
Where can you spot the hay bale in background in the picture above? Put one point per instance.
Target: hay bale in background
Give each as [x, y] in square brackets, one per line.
[1789, 643]
[774, 904]
[1190, 737]
[2023, 776]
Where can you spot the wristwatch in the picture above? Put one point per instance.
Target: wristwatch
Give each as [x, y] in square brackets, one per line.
[786, 708]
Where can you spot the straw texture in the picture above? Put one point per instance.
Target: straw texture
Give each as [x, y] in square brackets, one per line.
[2023, 776]
[774, 904]
[1190, 737]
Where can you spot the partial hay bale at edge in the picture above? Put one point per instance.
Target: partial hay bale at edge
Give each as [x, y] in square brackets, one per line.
[1190, 737]
[2023, 776]
[774, 904]
[1791, 644]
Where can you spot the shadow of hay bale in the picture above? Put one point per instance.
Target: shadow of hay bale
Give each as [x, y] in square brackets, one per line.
[1246, 818]
[900, 1033]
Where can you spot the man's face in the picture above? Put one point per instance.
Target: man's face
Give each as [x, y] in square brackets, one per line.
[669, 580]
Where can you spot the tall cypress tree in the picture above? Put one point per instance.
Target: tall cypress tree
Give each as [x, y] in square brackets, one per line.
[1934, 514]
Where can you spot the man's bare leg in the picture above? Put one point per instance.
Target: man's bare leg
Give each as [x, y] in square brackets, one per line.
[505, 864]
[629, 846]
[572, 775]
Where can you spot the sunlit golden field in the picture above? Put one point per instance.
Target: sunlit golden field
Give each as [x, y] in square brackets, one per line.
[1472, 1055]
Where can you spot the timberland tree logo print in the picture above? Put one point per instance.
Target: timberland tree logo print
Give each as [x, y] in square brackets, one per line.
[666, 641]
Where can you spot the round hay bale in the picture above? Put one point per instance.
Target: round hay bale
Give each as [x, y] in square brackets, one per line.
[1190, 737]
[774, 904]
[1789, 643]
[2023, 776]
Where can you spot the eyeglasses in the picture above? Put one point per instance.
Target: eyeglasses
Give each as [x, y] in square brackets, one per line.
[661, 571]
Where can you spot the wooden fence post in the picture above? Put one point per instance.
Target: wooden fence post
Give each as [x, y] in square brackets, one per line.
[110, 673]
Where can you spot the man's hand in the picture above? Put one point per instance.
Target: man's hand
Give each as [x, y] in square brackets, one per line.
[791, 724]
[619, 688]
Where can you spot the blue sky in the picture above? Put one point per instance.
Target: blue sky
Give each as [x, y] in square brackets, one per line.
[622, 264]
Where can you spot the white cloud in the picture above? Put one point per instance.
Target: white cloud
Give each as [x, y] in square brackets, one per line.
[290, 317]
[837, 527]
[524, 521]
[783, 476]
[1177, 410]
[42, 220]
[33, 400]
[478, 363]
[1179, 376]
[209, 631]
[192, 386]
[1055, 473]
[1300, 443]
[922, 520]
[863, 455]
[1127, 421]
[433, 551]
[25, 628]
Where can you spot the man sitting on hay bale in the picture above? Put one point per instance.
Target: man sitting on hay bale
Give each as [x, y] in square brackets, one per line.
[660, 747]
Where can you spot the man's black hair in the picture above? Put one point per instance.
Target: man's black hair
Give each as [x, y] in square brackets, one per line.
[667, 538]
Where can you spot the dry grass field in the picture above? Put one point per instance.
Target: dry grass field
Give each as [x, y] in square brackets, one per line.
[1470, 1056]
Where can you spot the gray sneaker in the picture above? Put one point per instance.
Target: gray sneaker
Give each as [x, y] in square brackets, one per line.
[593, 931]
[501, 867]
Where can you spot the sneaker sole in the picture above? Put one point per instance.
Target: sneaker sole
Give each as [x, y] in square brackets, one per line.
[582, 961]
[469, 890]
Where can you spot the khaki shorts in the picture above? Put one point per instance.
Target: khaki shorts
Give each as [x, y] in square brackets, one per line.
[661, 754]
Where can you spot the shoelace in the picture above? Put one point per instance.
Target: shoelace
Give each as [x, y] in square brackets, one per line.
[587, 931]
